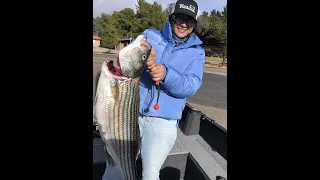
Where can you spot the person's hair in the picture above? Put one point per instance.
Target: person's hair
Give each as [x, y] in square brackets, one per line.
[197, 29]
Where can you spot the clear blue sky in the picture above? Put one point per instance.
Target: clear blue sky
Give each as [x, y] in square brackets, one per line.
[108, 6]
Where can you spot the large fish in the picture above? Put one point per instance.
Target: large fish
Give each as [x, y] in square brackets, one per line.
[116, 106]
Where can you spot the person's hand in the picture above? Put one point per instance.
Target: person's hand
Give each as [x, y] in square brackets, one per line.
[157, 71]
[150, 62]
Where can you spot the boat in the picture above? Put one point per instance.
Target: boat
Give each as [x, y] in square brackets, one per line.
[199, 153]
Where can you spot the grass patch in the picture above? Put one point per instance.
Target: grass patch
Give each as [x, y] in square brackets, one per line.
[216, 59]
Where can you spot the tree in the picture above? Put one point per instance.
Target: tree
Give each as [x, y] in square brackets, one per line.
[213, 12]
[213, 31]
[223, 35]
[97, 28]
[169, 9]
[218, 14]
[224, 13]
[205, 13]
[205, 25]
[110, 37]
[150, 15]
[125, 22]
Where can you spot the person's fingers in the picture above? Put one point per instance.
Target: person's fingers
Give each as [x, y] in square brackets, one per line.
[157, 69]
[150, 61]
[151, 56]
[151, 66]
[152, 53]
[157, 76]
[156, 79]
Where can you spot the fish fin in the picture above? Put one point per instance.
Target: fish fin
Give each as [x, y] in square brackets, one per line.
[94, 105]
[109, 151]
[110, 161]
[112, 158]
[138, 145]
[94, 117]
[138, 160]
[96, 97]
[114, 89]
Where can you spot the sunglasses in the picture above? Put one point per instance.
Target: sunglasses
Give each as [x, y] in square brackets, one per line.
[180, 20]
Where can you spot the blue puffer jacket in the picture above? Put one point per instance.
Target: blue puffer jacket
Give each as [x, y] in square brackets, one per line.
[184, 70]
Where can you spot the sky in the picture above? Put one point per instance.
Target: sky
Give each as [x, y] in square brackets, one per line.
[108, 6]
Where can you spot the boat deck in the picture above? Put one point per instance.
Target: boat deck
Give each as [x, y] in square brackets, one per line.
[199, 156]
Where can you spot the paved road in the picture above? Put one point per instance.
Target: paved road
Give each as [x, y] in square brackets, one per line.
[213, 91]
[211, 98]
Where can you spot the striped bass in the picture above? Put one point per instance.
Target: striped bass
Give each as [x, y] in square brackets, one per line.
[116, 106]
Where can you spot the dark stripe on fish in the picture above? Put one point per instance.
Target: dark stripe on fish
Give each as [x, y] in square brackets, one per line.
[121, 112]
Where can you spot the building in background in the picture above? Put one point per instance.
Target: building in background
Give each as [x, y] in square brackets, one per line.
[123, 43]
[96, 41]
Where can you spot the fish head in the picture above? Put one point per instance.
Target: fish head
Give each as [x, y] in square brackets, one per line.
[132, 58]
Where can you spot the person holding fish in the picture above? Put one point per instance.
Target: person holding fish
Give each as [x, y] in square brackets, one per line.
[176, 63]
[173, 71]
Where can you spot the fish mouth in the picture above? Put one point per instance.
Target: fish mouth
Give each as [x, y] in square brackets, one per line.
[114, 68]
[118, 64]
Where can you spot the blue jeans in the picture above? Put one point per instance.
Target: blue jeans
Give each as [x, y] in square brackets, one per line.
[157, 139]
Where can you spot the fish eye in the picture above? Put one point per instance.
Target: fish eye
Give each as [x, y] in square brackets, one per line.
[144, 57]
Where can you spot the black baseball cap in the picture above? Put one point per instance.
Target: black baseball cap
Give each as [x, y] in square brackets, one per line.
[187, 7]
